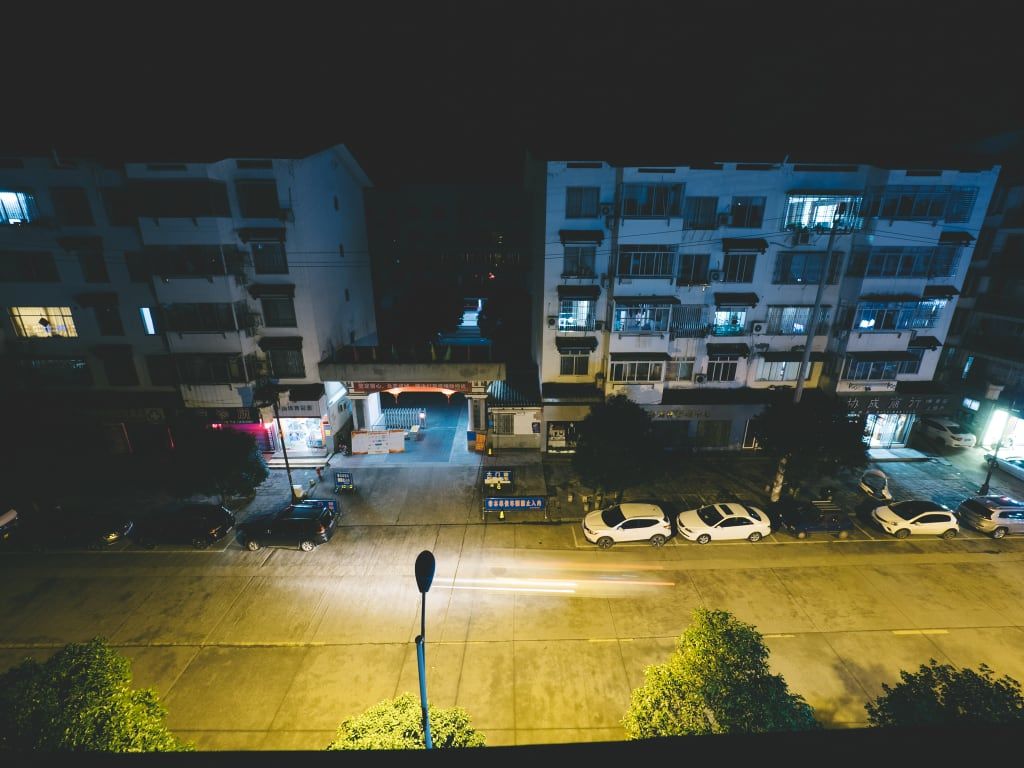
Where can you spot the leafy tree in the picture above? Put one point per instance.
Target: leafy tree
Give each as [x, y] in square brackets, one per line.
[940, 694]
[616, 446]
[81, 700]
[398, 724]
[217, 462]
[811, 439]
[716, 681]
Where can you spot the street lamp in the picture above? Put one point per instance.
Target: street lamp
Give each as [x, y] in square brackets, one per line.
[424, 576]
[268, 393]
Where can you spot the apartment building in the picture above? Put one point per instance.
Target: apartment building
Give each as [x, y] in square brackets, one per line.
[690, 288]
[141, 296]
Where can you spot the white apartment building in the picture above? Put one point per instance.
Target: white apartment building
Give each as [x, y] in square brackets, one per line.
[690, 289]
[144, 295]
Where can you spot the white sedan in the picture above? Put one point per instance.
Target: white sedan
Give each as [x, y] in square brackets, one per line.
[627, 522]
[1011, 465]
[729, 520]
[906, 517]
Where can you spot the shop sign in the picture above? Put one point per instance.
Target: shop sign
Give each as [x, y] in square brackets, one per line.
[299, 410]
[681, 413]
[514, 503]
[379, 386]
[497, 478]
[225, 415]
[896, 404]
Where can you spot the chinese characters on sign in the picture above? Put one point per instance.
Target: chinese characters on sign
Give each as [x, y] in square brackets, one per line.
[380, 386]
[494, 504]
[681, 413]
[896, 404]
[497, 478]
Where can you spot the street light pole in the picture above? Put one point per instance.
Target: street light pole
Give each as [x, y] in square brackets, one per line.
[425, 564]
[268, 392]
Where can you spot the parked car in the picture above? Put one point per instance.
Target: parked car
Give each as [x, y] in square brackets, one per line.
[58, 528]
[304, 525]
[994, 515]
[8, 524]
[729, 520]
[627, 522]
[876, 485]
[916, 516]
[949, 432]
[197, 524]
[1011, 465]
[802, 518]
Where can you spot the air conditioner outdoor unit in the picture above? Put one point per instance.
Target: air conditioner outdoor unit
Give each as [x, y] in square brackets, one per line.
[757, 328]
[700, 378]
[551, 320]
[715, 276]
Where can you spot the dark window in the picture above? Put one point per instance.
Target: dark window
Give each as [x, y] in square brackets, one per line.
[257, 199]
[693, 268]
[269, 258]
[739, 267]
[575, 364]
[140, 269]
[212, 369]
[199, 317]
[187, 198]
[700, 213]
[581, 202]
[278, 312]
[161, 370]
[94, 267]
[804, 267]
[651, 200]
[933, 519]
[71, 206]
[120, 210]
[579, 261]
[28, 267]
[108, 317]
[120, 369]
[287, 363]
[722, 368]
[747, 211]
[629, 524]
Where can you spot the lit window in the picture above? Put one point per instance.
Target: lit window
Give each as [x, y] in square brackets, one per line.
[16, 207]
[43, 322]
[147, 321]
[972, 405]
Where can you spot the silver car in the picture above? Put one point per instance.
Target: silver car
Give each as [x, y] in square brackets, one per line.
[1011, 465]
[994, 515]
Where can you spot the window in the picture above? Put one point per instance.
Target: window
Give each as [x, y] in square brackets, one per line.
[199, 318]
[722, 368]
[818, 211]
[679, 369]
[278, 312]
[17, 207]
[257, 199]
[108, 317]
[638, 371]
[581, 202]
[504, 423]
[120, 369]
[43, 322]
[747, 212]
[576, 315]
[287, 363]
[641, 318]
[94, 267]
[651, 201]
[268, 258]
[804, 267]
[971, 404]
[729, 322]
[646, 260]
[578, 261]
[897, 316]
[71, 207]
[574, 363]
[781, 371]
[58, 372]
[688, 321]
[28, 267]
[792, 321]
[148, 325]
[700, 213]
[909, 261]
[693, 269]
[738, 267]
[871, 370]
[922, 202]
[912, 366]
[213, 369]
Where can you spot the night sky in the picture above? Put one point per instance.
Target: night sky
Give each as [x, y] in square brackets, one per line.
[456, 91]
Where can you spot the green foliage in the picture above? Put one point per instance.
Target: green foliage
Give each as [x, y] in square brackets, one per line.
[616, 446]
[940, 694]
[81, 700]
[397, 724]
[216, 462]
[716, 681]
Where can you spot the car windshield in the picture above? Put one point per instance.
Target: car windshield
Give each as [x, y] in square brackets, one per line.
[753, 513]
[612, 516]
[911, 509]
[956, 429]
[709, 515]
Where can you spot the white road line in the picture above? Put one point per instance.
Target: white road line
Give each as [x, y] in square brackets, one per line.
[920, 631]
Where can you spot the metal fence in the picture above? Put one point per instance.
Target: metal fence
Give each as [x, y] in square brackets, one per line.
[397, 418]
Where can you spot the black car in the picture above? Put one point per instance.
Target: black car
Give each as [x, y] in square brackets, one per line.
[62, 528]
[304, 525]
[801, 518]
[197, 524]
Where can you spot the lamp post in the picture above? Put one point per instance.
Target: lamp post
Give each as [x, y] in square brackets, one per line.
[424, 576]
[268, 393]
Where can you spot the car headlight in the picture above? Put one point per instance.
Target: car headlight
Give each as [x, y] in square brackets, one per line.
[112, 536]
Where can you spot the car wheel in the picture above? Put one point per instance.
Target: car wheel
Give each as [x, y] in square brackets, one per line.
[801, 534]
[307, 546]
[755, 536]
[998, 533]
[605, 542]
[200, 543]
[704, 538]
[657, 540]
[950, 534]
[902, 533]
[844, 534]
[252, 545]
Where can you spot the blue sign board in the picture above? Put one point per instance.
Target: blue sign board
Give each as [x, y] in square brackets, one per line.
[513, 503]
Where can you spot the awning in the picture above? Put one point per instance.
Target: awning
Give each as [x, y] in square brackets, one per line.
[640, 356]
[956, 238]
[245, 234]
[744, 244]
[579, 291]
[305, 393]
[792, 357]
[939, 291]
[566, 343]
[735, 299]
[924, 342]
[259, 290]
[888, 297]
[96, 298]
[898, 356]
[280, 342]
[581, 236]
[629, 301]
[81, 243]
[743, 350]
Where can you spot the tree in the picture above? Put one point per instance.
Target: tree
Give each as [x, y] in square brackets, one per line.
[398, 724]
[717, 681]
[940, 694]
[812, 438]
[616, 446]
[81, 700]
[217, 462]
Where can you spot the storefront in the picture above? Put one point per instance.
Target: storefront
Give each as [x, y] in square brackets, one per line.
[1005, 426]
[565, 407]
[888, 418]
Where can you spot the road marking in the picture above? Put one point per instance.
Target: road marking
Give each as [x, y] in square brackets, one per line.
[778, 635]
[920, 631]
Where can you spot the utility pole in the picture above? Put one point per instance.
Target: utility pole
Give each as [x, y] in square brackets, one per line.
[271, 393]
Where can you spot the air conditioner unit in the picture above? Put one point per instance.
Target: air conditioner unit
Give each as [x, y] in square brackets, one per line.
[551, 320]
[715, 275]
[757, 328]
[607, 209]
[700, 378]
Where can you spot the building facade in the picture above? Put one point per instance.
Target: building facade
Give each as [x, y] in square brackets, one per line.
[149, 295]
[691, 289]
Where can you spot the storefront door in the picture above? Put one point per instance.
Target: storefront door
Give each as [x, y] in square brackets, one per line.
[888, 430]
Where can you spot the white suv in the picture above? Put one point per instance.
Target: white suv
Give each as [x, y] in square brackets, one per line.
[948, 431]
[627, 522]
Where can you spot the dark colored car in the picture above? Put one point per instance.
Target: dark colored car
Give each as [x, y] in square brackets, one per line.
[8, 523]
[802, 518]
[304, 525]
[197, 524]
[59, 528]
